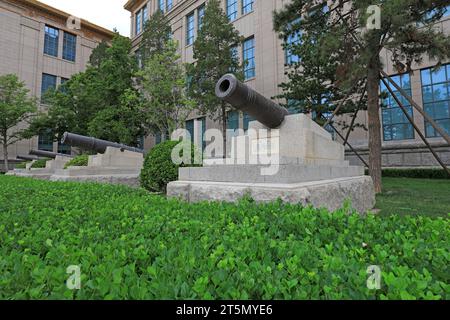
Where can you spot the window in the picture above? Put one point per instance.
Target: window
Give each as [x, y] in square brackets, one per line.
[190, 129]
[247, 120]
[292, 40]
[233, 120]
[203, 121]
[145, 14]
[248, 54]
[232, 9]
[138, 22]
[161, 5]
[395, 124]
[139, 60]
[190, 29]
[45, 141]
[48, 82]
[293, 106]
[64, 148]
[61, 87]
[51, 40]
[168, 4]
[69, 46]
[436, 98]
[247, 6]
[201, 15]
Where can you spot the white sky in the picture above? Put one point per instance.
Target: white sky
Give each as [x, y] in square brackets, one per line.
[109, 14]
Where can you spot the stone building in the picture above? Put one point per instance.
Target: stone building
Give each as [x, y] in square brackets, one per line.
[268, 62]
[44, 47]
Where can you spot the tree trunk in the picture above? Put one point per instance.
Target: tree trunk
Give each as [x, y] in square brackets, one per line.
[224, 130]
[373, 80]
[5, 156]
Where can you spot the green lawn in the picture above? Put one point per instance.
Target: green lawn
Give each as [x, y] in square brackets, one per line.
[407, 196]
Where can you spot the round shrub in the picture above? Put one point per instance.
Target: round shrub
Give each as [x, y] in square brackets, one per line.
[39, 164]
[159, 170]
[78, 161]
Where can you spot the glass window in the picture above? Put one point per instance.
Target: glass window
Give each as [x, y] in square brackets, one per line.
[45, 141]
[169, 4]
[48, 82]
[292, 41]
[190, 29]
[232, 6]
[247, 120]
[395, 124]
[161, 5]
[248, 54]
[51, 41]
[247, 6]
[201, 15]
[203, 121]
[64, 148]
[436, 98]
[61, 87]
[69, 46]
[138, 22]
[233, 120]
[145, 13]
[190, 129]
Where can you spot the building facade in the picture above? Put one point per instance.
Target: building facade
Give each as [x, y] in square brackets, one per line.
[44, 47]
[268, 62]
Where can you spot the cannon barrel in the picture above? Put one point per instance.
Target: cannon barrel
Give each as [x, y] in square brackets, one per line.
[27, 158]
[47, 154]
[97, 145]
[244, 98]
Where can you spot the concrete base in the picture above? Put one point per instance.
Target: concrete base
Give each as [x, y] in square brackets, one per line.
[329, 194]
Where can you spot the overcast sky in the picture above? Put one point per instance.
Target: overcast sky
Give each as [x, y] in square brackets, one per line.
[109, 14]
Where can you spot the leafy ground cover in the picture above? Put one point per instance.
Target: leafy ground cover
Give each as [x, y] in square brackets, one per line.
[133, 245]
[408, 196]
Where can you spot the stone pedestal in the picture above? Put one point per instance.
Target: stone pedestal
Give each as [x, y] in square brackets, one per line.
[298, 163]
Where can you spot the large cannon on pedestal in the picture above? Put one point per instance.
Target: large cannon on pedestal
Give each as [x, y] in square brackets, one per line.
[27, 158]
[47, 154]
[97, 145]
[244, 98]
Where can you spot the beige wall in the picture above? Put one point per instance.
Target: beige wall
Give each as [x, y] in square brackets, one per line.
[22, 52]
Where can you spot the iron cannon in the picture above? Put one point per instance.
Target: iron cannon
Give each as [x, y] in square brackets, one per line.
[91, 143]
[47, 154]
[245, 99]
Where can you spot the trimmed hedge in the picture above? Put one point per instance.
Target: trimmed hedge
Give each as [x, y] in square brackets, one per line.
[21, 165]
[133, 245]
[78, 161]
[39, 164]
[419, 173]
[159, 169]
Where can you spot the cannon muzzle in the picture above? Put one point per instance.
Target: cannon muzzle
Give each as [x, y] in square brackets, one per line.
[244, 98]
[97, 145]
[47, 154]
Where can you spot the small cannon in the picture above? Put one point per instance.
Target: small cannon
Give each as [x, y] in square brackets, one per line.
[27, 158]
[97, 145]
[244, 98]
[47, 154]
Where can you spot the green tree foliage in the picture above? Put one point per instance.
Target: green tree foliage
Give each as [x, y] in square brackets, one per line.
[103, 93]
[17, 110]
[406, 32]
[157, 32]
[164, 86]
[99, 54]
[213, 54]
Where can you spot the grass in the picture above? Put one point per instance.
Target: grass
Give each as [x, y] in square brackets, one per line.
[407, 196]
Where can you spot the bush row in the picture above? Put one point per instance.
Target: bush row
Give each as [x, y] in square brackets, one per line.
[133, 245]
[419, 173]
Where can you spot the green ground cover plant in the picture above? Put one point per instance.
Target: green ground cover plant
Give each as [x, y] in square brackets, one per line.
[79, 161]
[130, 244]
[21, 165]
[39, 164]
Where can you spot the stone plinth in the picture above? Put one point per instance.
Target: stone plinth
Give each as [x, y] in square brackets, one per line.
[297, 163]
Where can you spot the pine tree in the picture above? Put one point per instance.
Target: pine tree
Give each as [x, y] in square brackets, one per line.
[214, 56]
[406, 31]
[157, 32]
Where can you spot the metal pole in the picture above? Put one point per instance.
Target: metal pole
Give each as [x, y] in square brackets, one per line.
[415, 126]
[354, 151]
[421, 111]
